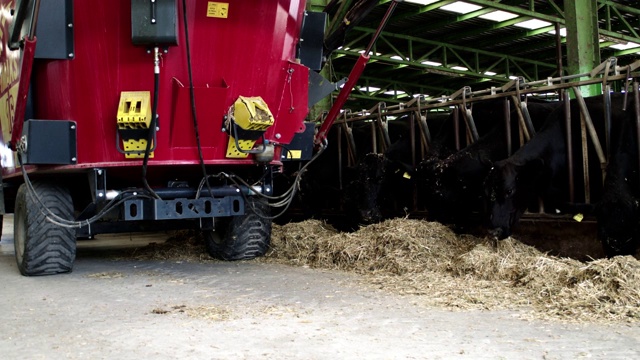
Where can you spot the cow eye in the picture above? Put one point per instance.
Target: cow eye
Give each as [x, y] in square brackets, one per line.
[509, 192]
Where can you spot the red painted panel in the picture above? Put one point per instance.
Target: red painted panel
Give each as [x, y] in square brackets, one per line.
[249, 53]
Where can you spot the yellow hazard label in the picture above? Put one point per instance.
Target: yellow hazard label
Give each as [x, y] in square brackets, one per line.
[295, 154]
[218, 9]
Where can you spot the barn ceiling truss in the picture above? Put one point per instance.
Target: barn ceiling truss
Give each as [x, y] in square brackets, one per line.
[430, 50]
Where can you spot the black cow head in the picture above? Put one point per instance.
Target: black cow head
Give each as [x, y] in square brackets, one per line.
[508, 189]
[362, 194]
[619, 225]
[457, 188]
[426, 179]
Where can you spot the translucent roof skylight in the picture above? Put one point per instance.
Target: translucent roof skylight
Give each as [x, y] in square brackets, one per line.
[394, 92]
[422, 2]
[498, 15]
[533, 24]
[461, 7]
[431, 63]
[629, 45]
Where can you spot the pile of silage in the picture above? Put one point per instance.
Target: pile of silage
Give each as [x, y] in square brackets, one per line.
[429, 260]
[183, 245]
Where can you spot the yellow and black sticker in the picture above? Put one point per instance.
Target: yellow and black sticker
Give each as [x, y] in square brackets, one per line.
[218, 9]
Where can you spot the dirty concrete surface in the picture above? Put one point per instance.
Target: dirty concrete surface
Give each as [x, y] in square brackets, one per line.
[115, 308]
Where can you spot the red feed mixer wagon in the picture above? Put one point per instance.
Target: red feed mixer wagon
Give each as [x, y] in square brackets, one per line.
[139, 115]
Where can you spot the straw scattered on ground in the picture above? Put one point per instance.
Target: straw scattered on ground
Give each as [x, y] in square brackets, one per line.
[183, 245]
[429, 261]
[106, 275]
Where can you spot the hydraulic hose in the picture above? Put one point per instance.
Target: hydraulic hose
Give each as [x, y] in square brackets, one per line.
[193, 96]
[153, 123]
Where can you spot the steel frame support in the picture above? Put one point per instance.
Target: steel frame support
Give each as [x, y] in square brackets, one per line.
[583, 52]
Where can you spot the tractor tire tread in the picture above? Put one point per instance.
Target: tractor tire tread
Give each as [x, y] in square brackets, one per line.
[49, 248]
[246, 237]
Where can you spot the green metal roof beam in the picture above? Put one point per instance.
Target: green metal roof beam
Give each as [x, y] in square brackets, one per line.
[421, 10]
[626, 52]
[417, 40]
[517, 10]
[627, 26]
[409, 86]
[453, 72]
[518, 35]
[559, 19]
[494, 26]
[623, 8]
[398, 52]
[558, 10]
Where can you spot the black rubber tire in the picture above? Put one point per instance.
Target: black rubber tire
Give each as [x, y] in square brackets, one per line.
[41, 247]
[244, 237]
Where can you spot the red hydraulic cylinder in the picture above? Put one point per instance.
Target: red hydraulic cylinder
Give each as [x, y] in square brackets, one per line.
[354, 75]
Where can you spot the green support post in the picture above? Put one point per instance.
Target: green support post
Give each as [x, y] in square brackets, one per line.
[583, 51]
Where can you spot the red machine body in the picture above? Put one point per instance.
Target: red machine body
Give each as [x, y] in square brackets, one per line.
[136, 115]
[250, 52]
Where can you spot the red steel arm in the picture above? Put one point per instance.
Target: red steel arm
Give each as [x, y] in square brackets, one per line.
[354, 75]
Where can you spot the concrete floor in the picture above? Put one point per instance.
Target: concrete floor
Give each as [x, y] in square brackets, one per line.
[110, 308]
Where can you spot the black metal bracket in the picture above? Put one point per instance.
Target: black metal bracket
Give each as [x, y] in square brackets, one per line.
[98, 185]
[205, 207]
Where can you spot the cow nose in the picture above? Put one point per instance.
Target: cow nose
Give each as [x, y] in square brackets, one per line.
[371, 217]
[497, 233]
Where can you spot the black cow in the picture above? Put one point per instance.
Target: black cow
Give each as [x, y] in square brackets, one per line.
[385, 187]
[486, 115]
[539, 169]
[618, 213]
[455, 194]
[322, 186]
[333, 191]
[384, 184]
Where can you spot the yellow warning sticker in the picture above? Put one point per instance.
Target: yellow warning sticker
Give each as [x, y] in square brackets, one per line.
[295, 154]
[218, 9]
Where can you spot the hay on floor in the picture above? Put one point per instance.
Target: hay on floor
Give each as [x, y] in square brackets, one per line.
[428, 259]
[182, 245]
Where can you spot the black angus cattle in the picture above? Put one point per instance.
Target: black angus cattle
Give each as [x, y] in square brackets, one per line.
[455, 194]
[340, 193]
[486, 115]
[323, 184]
[383, 185]
[539, 169]
[618, 213]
